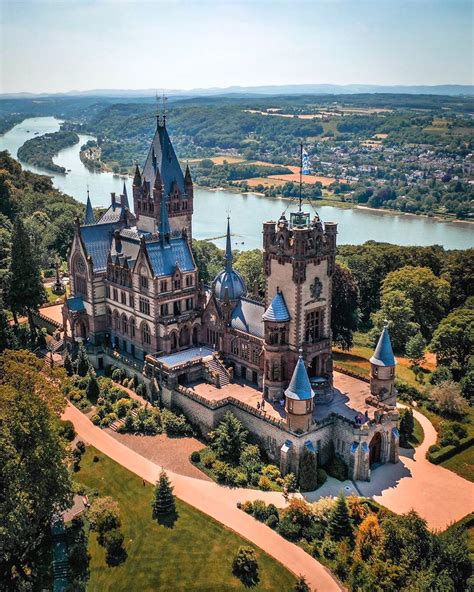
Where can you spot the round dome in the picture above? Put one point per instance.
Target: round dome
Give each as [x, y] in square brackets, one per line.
[230, 280]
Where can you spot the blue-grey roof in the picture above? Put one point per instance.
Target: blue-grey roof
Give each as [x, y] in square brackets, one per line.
[75, 304]
[97, 239]
[277, 311]
[162, 156]
[231, 281]
[165, 256]
[187, 355]
[300, 387]
[114, 213]
[383, 354]
[247, 317]
[89, 217]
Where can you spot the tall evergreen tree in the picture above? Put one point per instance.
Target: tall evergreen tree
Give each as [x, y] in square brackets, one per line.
[163, 502]
[407, 425]
[229, 438]
[308, 470]
[340, 524]
[67, 362]
[93, 389]
[24, 292]
[83, 366]
[301, 585]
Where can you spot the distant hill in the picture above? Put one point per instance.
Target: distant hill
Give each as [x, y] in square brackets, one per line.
[288, 89]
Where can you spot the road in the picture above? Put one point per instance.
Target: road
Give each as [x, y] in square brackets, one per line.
[217, 501]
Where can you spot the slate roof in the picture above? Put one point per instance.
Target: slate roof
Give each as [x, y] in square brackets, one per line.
[300, 387]
[231, 281]
[75, 304]
[165, 256]
[162, 156]
[247, 317]
[97, 239]
[114, 213]
[187, 355]
[277, 310]
[383, 354]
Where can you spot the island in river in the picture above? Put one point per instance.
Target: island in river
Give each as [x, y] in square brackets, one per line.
[39, 151]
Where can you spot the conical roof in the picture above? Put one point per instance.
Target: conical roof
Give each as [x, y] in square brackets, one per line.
[277, 310]
[383, 354]
[125, 194]
[89, 218]
[300, 387]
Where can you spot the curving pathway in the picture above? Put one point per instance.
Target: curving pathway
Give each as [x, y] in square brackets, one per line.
[440, 496]
[214, 500]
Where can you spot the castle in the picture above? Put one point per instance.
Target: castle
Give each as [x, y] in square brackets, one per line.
[136, 301]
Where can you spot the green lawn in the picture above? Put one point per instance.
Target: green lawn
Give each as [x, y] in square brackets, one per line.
[194, 555]
[462, 463]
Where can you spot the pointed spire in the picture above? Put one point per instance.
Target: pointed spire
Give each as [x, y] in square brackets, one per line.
[137, 178]
[228, 249]
[187, 176]
[300, 386]
[164, 222]
[89, 218]
[383, 354]
[125, 194]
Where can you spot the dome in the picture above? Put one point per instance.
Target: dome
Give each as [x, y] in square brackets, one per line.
[231, 281]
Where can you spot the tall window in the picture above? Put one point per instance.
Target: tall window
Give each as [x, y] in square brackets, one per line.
[123, 297]
[115, 294]
[143, 282]
[108, 316]
[80, 283]
[163, 286]
[164, 310]
[144, 305]
[146, 337]
[116, 321]
[124, 324]
[132, 327]
[313, 325]
[131, 300]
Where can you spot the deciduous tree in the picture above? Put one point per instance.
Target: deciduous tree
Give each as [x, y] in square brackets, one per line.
[345, 306]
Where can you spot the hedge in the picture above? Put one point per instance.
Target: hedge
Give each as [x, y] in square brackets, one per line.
[449, 451]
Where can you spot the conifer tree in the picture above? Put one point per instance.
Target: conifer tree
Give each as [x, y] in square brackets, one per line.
[308, 470]
[67, 362]
[340, 524]
[83, 366]
[93, 389]
[407, 425]
[163, 502]
[25, 291]
[229, 438]
[301, 585]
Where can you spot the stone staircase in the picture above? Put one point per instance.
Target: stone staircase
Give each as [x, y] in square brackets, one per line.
[218, 372]
[118, 422]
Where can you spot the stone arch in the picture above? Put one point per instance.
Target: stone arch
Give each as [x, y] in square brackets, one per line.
[375, 448]
[174, 340]
[184, 336]
[195, 337]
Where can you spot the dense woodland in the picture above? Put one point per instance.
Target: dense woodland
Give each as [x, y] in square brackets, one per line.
[39, 151]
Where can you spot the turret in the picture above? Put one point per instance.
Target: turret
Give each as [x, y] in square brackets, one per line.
[89, 217]
[299, 399]
[382, 371]
[229, 282]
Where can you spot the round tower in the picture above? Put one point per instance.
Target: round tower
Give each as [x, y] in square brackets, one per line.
[382, 371]
[299, 399]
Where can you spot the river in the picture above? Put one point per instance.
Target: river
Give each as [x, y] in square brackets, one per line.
[247, 211]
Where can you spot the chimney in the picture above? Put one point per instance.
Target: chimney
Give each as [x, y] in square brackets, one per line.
[113, 199]
[122, 201]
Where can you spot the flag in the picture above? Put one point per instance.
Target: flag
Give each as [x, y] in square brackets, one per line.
[305, 164]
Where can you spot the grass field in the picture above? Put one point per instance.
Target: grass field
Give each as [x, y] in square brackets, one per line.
[194, 555]
[462, 464]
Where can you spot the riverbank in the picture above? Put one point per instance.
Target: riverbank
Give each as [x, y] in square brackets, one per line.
[39, 151]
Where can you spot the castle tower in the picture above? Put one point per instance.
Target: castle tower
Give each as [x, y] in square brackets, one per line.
[276, 321]
[163, 179]
[382, 371]
[299, 399]
[299, 258]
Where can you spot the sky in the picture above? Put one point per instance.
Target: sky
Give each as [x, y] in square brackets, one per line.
[63, 45]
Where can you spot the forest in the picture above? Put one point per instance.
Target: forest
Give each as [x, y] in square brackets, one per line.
[39, 151]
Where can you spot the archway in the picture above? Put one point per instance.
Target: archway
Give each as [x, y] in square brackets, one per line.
[184, 337]
[375, 447]
[81, 330]
[174, 342]
[195, 335]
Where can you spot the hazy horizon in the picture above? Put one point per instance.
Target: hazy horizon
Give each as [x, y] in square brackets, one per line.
[60, 46]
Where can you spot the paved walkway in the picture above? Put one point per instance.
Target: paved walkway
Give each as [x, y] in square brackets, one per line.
[216, 501]
[437, 494]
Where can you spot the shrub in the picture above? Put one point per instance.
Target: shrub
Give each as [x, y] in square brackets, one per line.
[255, 478]
[175, 425]
[113, 543]
[272, 521]
[76, 396]
[95, 458]
[272, 472]
[301, 585]
[96, 419]
[449, 438]
[104, 515]
[117, 375]
[245, 566]
[108, 420]
[81, 446]
[459, 430]
[142, 390]
[250, 459]
[441, 374]
[434, 448]
[329, 548]
[66, 430]
[288, 529]
[221, 470]
[264, 483]
[289, 481]
[240, 479]
[208, 459]
[337, 468]
[122, 406]
[321, 476]
[259, 510]
[247, 507]
[195, 456]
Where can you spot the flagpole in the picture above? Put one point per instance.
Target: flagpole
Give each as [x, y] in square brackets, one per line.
[301, 170]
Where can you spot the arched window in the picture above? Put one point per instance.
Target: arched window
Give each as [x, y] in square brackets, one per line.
[108, 317]
[124, 324]
[146, 336]
[132, 327]
[184, 337]
[116, 321]
[79, 274]
[174, 341]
